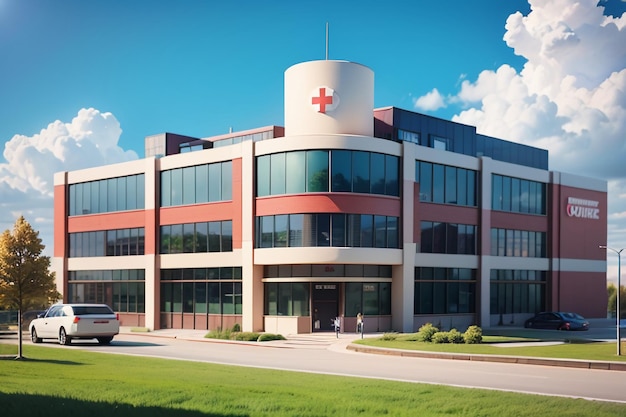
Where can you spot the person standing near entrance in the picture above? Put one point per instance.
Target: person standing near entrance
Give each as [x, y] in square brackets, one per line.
[359, 323]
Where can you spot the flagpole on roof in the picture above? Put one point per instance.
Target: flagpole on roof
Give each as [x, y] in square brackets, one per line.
[326, 41]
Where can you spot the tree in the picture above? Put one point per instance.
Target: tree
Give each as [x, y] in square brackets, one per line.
[25, 279]
[612, 291]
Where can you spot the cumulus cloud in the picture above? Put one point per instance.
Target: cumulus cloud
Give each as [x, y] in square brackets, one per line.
[569, 98]
[431, 101]
[26, 178]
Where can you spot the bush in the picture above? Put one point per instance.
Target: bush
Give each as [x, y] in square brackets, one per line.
[244, 336]
[473, 335]
[426, 332]
[440, 337]
[455, 336]
[266, 337]
[389, 336]
[218, 334]
[236, 327]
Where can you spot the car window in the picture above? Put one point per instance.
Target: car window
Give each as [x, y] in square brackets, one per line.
[53, 311]
[84, 310]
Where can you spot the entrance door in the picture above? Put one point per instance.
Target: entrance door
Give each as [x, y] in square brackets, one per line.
[325, 300]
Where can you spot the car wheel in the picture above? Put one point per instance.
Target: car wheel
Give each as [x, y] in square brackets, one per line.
[33, 336]
[63, 338]
[104, 340]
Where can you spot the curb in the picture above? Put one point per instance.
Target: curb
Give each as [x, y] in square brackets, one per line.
[524, 360]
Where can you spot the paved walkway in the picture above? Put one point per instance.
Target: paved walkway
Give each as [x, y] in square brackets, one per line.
[343, 343]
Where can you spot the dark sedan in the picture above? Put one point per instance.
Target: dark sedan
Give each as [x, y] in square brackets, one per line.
[557, 320]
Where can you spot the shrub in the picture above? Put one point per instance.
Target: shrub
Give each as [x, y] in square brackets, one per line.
[455, 336]
[218, 334]
[389, 336]
[236, 327]
[426, 332]
[441, 337]
[473, 335]
[266, 337]
[244, 336]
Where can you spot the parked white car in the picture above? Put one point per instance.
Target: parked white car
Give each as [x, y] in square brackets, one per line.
[65, 322]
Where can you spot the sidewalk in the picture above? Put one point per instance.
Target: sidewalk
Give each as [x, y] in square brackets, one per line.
[343, 342]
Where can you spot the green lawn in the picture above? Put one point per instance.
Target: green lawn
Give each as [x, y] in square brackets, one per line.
[571, 349]
[70, 382]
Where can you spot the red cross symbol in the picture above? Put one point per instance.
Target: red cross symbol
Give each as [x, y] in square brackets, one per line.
[323, 100]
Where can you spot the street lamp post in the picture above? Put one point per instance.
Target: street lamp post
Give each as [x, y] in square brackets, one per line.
[617, 312]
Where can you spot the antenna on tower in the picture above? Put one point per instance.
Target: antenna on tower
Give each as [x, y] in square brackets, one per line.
[326, 41]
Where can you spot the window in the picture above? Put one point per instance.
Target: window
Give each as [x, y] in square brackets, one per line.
[521, 243]
[201, 290]
[122, 290]
[118, 242]
[320, 229]
[371, 298]
[108, 195]
[440, 143]
[323, 170]
[450, 238]
[287, 299]
[197, 237]
[446, 184]
[196, 184]
[517, 291]
[445, 290]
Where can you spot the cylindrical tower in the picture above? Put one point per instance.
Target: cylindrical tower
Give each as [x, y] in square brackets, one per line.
[329, 97]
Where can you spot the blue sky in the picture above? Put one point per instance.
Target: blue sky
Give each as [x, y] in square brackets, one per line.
[83, 82]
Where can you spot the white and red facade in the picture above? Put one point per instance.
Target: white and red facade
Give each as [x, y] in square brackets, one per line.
[298, 240]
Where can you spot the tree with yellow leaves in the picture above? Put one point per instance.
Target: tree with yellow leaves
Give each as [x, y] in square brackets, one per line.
[25, 278]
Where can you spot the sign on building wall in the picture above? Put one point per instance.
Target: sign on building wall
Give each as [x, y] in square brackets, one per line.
[582, 208]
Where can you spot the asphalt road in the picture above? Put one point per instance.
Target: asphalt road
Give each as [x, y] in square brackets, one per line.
[323, 353]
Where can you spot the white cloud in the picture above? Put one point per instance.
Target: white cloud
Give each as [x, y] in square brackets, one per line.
[569, 98]
[26, 178]
[431, 101]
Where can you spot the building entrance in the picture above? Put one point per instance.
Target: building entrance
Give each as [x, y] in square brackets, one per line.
[325, 300]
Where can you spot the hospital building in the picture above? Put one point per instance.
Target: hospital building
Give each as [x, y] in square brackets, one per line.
[347, 209]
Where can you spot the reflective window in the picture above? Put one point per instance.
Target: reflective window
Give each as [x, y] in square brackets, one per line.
[287, 299]
[308, 171]
[196, 184]
[446, 184]
[517, 291]
[361, 172]
[445, 290]
[342, 171]
[368, 298]
[263, 175]
[118, 242]
[295, 173]
[523, 243]
[450, 238]
[108, 195]
[201, 290]
[122, 290]
[337, 230]
[517, 195]
[197, 237]
[317, 171]
[277, 173]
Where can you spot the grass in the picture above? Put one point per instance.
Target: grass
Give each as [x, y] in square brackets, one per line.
[68, 382]
[571, 349]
